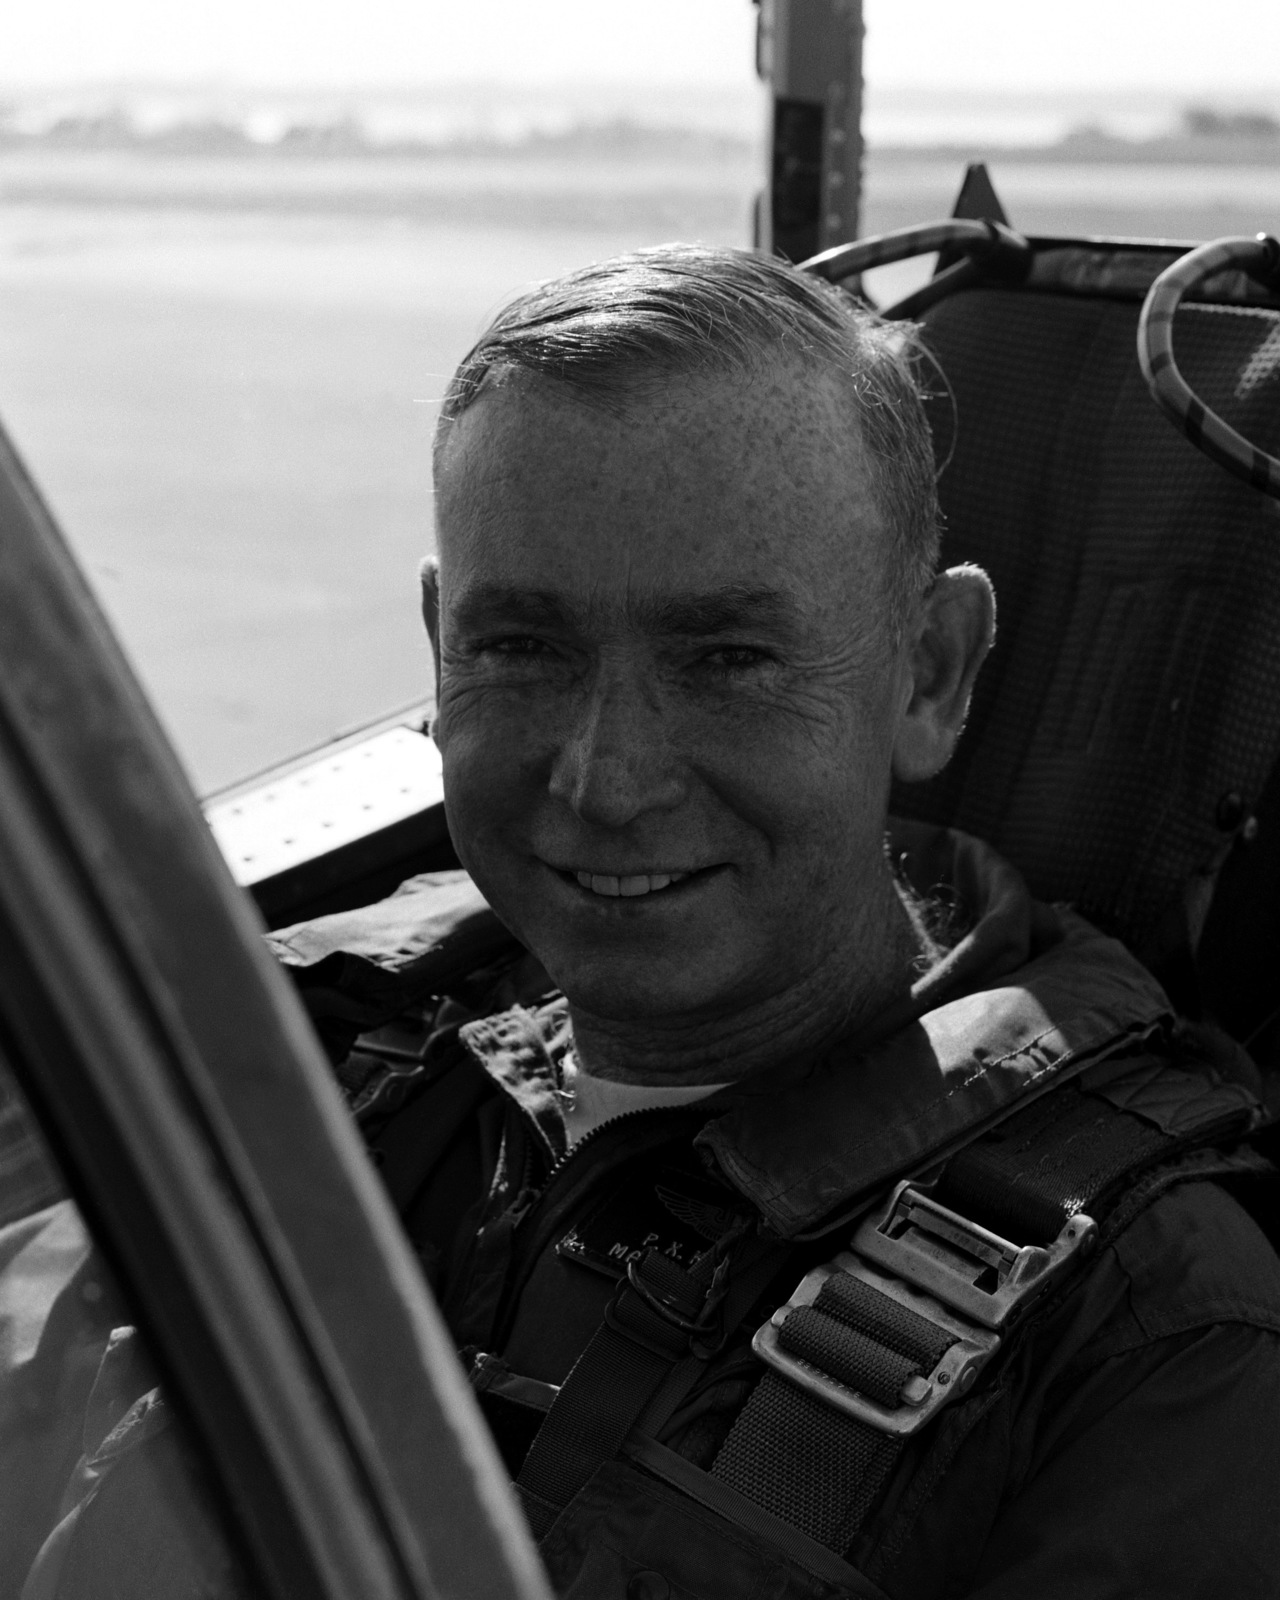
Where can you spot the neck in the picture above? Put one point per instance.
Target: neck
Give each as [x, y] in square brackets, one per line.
[840, 998]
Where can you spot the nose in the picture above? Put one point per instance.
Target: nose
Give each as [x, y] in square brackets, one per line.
[618, 760]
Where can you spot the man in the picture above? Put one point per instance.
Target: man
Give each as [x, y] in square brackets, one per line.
[687, 628]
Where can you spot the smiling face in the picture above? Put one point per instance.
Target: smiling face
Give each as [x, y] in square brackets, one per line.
[667, 698]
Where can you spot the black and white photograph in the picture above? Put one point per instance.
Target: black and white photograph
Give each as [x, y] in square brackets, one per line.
[639, 800]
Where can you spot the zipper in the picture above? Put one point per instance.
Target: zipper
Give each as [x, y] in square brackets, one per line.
[571, 1152]
[548, 1214]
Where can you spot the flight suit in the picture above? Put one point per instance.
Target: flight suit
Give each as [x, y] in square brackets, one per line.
[1126, 1440]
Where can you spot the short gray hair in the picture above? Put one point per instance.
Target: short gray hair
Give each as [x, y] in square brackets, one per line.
[609, 329]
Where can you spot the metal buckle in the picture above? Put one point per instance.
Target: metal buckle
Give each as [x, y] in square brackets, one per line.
[921, 1397]
[976, 1272]
[664, 1307]
[491, 1375]
[962, 1278]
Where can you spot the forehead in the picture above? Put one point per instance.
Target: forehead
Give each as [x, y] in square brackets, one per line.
[685, 481]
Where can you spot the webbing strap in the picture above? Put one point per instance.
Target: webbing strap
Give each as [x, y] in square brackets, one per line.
[793, 1453]
[801, 1460]
[639, 1366]
[627, 1358]
[1063, 1154]
[797, 1455]
[726, 1502]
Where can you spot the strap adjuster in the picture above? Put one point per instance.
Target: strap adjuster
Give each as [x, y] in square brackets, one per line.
[960, 1278]
[954, 1373]
[967, 1267]
[665, 1305]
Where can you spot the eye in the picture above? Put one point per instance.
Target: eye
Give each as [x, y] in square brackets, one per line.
[515, 657]
[514, 645]
[731, 657]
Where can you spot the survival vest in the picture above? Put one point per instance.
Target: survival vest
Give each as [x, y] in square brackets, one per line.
[884, 1325]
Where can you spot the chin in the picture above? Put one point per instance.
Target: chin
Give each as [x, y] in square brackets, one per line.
[636, 990]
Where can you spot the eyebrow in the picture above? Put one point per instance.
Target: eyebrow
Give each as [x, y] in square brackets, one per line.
[481, 603]
[721, 610]
[725, 609]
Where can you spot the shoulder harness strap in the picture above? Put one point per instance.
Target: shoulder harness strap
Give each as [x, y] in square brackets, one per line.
[872, 1345]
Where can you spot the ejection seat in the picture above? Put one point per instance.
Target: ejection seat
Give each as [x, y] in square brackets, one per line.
[1124, 743]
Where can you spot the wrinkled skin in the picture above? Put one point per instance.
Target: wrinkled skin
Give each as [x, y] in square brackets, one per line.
[662, 648]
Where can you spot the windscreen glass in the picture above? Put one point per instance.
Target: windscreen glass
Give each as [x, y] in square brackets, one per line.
[103, 1491]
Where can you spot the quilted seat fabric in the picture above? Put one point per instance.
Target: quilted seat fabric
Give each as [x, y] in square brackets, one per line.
[1135, 686]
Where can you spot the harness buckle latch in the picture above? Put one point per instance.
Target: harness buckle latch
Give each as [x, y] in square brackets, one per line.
[921, 1396]
[948, 1275]
[967, 1267]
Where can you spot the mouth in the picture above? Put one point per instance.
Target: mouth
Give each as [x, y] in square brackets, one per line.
[629, 885]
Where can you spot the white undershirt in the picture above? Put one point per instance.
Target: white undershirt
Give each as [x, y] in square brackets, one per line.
[588, 1102]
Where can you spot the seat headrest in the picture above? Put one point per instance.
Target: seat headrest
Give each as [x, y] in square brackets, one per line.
[1128, 719]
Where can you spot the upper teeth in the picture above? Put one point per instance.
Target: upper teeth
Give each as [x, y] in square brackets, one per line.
[641, 883]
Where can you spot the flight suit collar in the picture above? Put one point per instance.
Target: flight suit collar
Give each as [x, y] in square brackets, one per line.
[1024, 999]
[523, 1051]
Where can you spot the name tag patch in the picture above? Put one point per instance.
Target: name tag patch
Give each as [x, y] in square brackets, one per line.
[676, 1213]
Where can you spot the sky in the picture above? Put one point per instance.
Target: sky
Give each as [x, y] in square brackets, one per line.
[1001, 45]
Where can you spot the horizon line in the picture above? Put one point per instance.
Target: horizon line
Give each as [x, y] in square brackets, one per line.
[225, 83]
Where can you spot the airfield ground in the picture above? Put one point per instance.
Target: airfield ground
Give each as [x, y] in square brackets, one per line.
[224, 373]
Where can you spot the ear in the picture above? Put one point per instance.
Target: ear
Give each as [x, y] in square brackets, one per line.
[955, 629]
[429, 574]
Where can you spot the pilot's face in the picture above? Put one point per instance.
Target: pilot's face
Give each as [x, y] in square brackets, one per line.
[667, 696]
